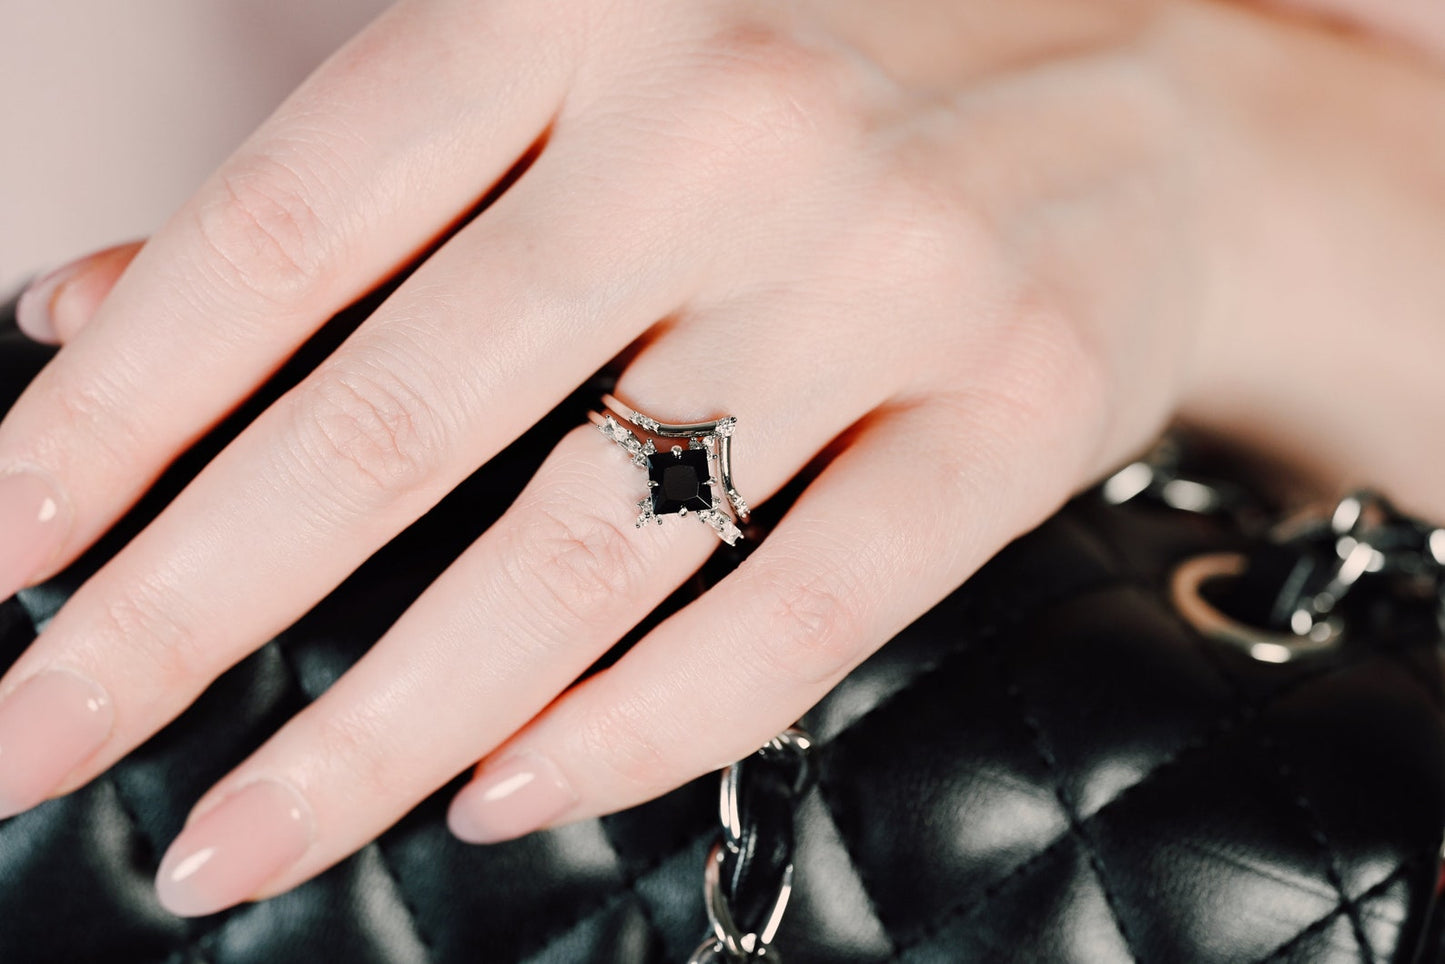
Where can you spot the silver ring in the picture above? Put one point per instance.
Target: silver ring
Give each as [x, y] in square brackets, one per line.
[695, 480]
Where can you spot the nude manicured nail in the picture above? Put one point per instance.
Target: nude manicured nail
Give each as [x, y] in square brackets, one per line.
[57, 305]
[512, 798]
[229, 852]
[31, 528]
[49, 725]
[35, 311]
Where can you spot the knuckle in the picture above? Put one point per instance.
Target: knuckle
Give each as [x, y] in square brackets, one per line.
[772, 100]
[1071, 395]
[1050, 377]
[1045, 389]
[262, 232]
[574, 301]
[808, 630]
[575, 562]
[623, 738]
[154, 624]
[369, 432]
[86, 411]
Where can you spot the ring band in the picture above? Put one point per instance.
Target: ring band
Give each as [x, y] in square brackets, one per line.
[696, 480]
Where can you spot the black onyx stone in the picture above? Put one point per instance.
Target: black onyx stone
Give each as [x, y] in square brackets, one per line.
[679, 481]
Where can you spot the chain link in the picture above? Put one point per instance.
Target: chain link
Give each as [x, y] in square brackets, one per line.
[788, 754]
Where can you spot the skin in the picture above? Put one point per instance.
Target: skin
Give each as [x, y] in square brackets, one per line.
[1407, 24]
[1021, 238]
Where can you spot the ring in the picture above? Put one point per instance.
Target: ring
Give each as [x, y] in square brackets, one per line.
[696, 480]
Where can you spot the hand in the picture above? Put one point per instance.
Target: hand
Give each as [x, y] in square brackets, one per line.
[971, 282]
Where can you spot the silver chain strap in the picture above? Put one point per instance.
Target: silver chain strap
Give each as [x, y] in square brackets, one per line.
[728, 944]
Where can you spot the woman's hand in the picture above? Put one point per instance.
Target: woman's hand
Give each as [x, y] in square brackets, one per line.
[974, 259]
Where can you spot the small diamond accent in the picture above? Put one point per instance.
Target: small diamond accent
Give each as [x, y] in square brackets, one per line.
[645, 515]
[722, 525]
[646, 424]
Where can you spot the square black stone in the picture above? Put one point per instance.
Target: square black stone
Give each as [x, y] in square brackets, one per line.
[680, 481]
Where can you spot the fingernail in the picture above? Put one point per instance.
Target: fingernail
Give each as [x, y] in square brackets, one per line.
[515, 797]
[31, 527]
[51, 724]
[35, 311]
[58, 304]
[227, 854]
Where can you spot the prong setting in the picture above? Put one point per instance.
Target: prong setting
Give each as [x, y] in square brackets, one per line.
[696, 480]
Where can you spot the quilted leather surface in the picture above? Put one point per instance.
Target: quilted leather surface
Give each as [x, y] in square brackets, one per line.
[1049, 766]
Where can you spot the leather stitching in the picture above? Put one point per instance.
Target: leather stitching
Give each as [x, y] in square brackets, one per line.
[985, 631]
[1241, 715]
[1316, 829]
[642, 907]
[931, 929]
[825, 784]
[604, 905]
[408, 906]
[832, 805]
[1285, 949]
[1077, 826]
[150, 853]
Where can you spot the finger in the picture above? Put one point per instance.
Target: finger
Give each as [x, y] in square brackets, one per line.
[57, 305]
[474, 347]
[353, 176]
[913, 506]
[545, 591]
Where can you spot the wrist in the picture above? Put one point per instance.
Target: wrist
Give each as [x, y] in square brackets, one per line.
[1323, 211]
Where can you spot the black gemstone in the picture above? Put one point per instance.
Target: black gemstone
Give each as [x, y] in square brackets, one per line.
[680, 481]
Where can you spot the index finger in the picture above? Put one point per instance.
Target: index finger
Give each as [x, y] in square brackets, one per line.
[353, 176]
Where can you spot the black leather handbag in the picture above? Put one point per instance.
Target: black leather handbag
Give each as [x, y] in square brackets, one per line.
[1111, 745]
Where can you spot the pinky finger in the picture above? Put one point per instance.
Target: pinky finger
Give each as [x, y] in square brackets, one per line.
[56, 306]
[829, 586]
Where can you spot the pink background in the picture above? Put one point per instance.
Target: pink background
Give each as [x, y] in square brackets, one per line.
[111, 113]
